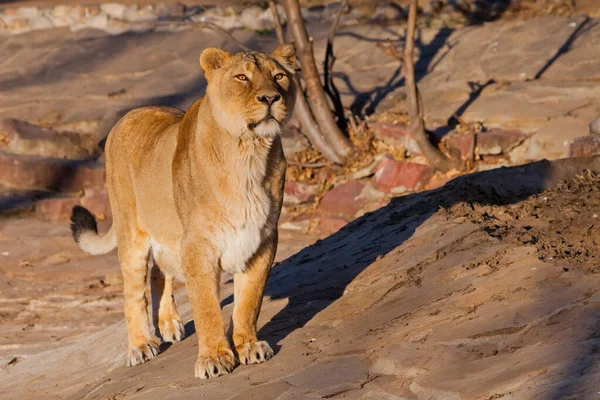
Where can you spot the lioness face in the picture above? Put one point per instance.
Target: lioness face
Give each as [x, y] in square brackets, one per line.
[251, 93]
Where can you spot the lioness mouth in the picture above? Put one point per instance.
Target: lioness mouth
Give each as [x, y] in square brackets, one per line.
[267, 118]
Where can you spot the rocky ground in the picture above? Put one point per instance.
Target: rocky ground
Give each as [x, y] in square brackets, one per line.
[481, 287]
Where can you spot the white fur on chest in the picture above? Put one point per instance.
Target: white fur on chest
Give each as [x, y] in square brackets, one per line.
[241, 237]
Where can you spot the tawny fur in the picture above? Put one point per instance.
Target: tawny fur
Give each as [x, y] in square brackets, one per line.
[197, 193]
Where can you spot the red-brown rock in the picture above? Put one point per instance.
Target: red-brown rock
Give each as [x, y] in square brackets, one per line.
[330, 225]
[96, 200]
[56, 208]
[343, 201]
[497, 141]
[20, 137]
[585, 146]
[298, 193]
[461, 144]
[31, 172]
[396, 135]
[393, 176]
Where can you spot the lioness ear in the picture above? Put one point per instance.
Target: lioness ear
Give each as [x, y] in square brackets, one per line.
[286, 54]
[212, 59]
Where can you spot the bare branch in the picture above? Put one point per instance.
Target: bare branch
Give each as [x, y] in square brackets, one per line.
[277, 22]
[224, 32]
[329, 85]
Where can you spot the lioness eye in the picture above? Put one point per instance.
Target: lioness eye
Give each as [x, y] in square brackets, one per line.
[279, 77]
[241, 77]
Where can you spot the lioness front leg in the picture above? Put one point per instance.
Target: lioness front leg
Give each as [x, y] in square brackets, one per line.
[249, 289]
[202, 275]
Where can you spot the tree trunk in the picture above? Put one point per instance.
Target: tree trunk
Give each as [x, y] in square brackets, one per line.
[415, 104]
[316, 95]
[303, 112]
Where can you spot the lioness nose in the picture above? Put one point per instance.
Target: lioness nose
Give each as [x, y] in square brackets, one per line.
[269, 99]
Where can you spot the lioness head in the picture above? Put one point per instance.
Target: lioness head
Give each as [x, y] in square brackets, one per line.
[251, 93]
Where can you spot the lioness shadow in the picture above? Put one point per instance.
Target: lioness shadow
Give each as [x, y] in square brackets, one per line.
[316, 276]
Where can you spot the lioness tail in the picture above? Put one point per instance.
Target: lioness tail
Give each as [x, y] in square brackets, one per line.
[85, 233]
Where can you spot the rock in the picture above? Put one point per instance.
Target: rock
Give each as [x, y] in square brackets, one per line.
[84, 176]
[20, 137]
[17, 25]
[98, 22]
[116, 26]
[29, 12]
[166, 11]
[31, 172]
[114, 10]
[41, 22]
[396, 135]
[55, 208]
[437, 181]
[330, 225]
[461, 144]
[498, 141]
[393, 176]
[61, 16]
[298, 192]
[256, 19]
[585, 146]
[595, 126]
[302, 225]
[344, 200]
[389, 12]
[78, 13]
[61, 11]
[140, 14]
[97, 201]
[551, 141]
[92, 11]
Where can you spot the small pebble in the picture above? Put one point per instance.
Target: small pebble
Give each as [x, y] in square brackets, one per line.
[5, 253]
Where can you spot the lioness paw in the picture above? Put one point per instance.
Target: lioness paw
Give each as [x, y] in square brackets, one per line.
[254, 353]
[212, 367]
[172, 330]
[142, 353]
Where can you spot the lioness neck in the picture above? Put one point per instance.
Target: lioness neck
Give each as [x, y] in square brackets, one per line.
[241, 154]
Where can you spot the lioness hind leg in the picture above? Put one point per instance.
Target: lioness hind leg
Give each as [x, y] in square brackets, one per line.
[133, 256]
[249, 287]
[164, 309]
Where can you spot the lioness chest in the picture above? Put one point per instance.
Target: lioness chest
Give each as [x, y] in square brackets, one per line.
[244, 229]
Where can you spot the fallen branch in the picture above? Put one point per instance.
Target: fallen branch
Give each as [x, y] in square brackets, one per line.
[306, 165]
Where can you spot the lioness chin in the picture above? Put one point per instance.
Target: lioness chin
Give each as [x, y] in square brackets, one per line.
[197, 193]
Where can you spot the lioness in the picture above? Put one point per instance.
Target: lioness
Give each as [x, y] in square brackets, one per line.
[200, 192]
